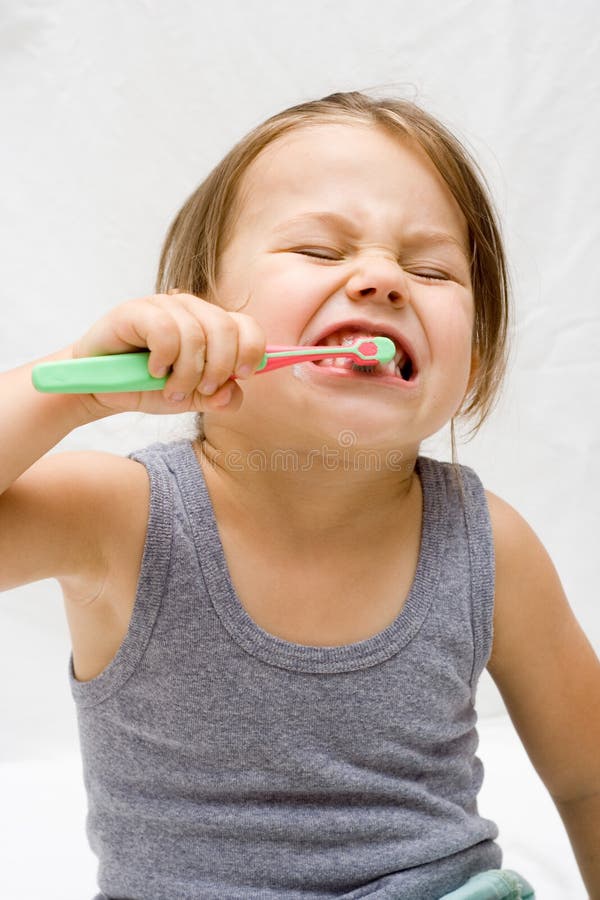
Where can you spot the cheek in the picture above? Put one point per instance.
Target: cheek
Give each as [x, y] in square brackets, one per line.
[452, 322]
[451, 335]
[281, 295]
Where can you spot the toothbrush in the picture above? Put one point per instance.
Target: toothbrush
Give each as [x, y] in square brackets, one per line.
[120, 372]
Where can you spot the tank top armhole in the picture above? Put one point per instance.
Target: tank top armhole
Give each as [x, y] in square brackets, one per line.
[482, 568]
[153, 574]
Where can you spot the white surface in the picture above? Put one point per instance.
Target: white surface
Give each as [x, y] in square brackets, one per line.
[113, 113]
[46, 854]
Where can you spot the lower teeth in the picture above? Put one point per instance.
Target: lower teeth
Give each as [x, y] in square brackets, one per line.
[344, 363]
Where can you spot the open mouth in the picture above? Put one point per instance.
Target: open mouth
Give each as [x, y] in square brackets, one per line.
[401, 366]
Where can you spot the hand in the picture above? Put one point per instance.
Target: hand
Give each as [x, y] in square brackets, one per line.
[202, 343]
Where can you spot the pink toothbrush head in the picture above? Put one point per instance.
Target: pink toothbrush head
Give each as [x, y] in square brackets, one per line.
[367, 353]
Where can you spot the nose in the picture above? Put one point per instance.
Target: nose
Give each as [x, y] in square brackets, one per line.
[378, 278]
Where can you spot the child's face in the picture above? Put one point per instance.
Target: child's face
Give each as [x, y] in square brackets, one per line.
[303, 277]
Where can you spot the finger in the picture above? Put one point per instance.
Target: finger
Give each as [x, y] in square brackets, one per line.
[142, 324]
[251, 345]
[210, 345]
[228, 398]
[183, 313]
[207, 332]
[188, 366]
[214, 359]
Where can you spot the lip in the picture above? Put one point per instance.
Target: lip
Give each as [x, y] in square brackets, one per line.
[384, 329]
[350, 375]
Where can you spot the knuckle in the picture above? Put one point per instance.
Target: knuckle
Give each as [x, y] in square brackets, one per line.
[154, 299]
[188, 301]
[163, 332]
[195, 336]
[226, 323]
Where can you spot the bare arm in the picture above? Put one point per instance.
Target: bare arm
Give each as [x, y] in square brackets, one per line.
[581, 818]
[32, 423]
[549, 677]
[53, 507]
[177, 330]
[49, 521]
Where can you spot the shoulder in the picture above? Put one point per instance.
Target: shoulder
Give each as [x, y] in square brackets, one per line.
[66, 516]
[541, 661]
[107, 499]
[525, 580]
[102, 484]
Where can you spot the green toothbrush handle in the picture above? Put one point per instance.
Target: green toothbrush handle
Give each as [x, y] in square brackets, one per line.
[114, 373]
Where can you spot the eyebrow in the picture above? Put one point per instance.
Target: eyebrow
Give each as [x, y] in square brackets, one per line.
[414, 238]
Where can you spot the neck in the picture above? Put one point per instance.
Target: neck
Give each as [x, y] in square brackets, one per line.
[305, 496]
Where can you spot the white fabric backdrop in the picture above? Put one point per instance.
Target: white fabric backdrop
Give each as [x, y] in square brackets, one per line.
[113, 113]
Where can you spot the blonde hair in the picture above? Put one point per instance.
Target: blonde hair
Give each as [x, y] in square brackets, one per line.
[203, 226]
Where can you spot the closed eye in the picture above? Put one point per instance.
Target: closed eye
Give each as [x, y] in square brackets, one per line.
[429, 277]
[319, 254]
[314, 253]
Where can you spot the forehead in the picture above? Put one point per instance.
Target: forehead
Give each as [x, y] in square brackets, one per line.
[353, 169]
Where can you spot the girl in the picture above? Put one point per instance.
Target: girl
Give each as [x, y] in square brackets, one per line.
[278, 627]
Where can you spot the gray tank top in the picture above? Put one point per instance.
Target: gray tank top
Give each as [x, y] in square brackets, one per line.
[224, 763]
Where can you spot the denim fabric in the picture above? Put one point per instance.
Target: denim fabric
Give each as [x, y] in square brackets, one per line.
[496, 884]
